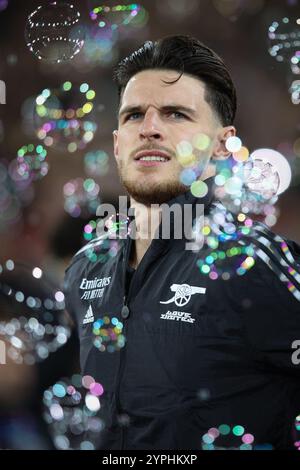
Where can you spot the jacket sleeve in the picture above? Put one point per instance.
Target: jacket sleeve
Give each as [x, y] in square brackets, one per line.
[272, 327]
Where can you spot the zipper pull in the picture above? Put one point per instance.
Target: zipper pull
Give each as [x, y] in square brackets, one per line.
[125, 310]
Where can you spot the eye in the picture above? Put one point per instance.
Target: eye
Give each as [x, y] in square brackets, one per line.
[178, 115]
[132, 116]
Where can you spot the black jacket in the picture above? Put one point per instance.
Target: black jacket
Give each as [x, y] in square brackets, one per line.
[197, 352]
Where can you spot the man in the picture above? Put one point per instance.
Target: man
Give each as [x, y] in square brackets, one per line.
[201, 355]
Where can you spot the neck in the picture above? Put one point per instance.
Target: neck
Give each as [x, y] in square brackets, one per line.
[147, 220]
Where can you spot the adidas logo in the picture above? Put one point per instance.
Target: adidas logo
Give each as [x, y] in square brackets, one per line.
[89, 316]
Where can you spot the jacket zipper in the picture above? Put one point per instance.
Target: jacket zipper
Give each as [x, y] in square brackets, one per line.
[123, 350]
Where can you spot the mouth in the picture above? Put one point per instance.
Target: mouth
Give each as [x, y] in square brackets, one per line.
[151, 158]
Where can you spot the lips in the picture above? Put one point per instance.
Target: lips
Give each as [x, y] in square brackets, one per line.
[152, 153]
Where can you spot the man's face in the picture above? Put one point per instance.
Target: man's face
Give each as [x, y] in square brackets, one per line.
[154, 118]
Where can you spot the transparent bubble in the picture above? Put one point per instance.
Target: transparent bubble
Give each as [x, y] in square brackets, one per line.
[295, 92]
[14, 195]
[108, 334]
[81, 197]
[53, 32]
[42, 328]
[284, 42]
[64, 117]
[227, 437]
[73, 413]
[120, 17]
[262, 178]
[30, 164]
[96, 163]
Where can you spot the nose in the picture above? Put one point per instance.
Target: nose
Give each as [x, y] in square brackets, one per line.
[151, 127]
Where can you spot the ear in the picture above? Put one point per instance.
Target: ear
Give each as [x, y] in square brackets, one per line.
[220, 151]
[116, 147]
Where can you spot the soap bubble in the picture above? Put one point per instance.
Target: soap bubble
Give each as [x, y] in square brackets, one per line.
[81, 197]
[33, 322]
[14, 195]
[64, 116]
[73, 413]
[53, 32]
[295, 92]
[30, 164]
[108, 334]
[284, 42]
[120, 16]
[96, 163]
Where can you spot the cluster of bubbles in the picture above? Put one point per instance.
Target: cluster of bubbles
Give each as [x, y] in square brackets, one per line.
[29, 341]
[96, 163]
[54, 302]
[14, 195]
[221, 235]
[109, 25]
[193, 157]
[53, 32]
[248, 183]
[30, 164]
[284, 46]
[245, 185]
[3, 4]
[64, 118]
[108, 334]
[72, 413]
[32, 339]
[81, 197]
[120, 17]
[227, 438]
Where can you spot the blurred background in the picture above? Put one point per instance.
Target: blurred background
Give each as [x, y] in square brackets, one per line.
[57, 113]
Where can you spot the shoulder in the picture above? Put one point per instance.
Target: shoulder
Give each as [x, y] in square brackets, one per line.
[278, 259]
[98, 251]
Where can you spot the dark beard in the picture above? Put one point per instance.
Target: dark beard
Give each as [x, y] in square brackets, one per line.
[154, 194]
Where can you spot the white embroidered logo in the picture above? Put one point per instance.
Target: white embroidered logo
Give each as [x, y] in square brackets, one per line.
[94, 288]
[182, 316]
[183, 293]
[89, 316]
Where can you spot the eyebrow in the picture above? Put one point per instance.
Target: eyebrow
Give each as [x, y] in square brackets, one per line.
[169, 108]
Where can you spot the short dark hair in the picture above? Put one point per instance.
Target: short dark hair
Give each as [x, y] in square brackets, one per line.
[184, 54]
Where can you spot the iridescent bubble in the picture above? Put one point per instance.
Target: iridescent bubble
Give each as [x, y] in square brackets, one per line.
[188, 176]
[64, 117]
[30, 164]
[120, 16]
[201, 142]
[73, 414]
[227, 438]
[233, 144]
[274, 162]
[14, 195]
[284, 39]
[294, 91]
[96, 163]
[81, 197]
[108, 334]
[53, 32]
[199, 188]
